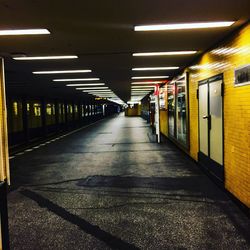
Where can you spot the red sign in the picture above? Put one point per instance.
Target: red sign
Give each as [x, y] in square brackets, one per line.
[157, 89]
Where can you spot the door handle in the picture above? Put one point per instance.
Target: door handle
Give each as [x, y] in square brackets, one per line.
[208, 117]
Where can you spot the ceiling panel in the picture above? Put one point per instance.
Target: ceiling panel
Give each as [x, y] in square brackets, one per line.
[101, 34]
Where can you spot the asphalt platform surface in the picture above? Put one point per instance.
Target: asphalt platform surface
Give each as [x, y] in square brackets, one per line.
[110, 186]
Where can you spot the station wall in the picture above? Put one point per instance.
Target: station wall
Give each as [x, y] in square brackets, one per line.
[229, 55]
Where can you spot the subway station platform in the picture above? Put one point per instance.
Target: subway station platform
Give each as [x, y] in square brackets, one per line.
[110, 186]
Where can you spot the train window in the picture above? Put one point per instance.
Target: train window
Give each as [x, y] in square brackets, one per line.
[177, 110]
[49, 109]
[70, 109]
[37, 109]
[15, 108]
[76, 108]
[86, 110]
[82, 107]
[28, 107]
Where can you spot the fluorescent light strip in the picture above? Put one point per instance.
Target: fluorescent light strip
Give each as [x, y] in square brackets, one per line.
[103, 95]
[148, 77]
[102, 90]
[19, 32]
[140, 92]
[61, 71]
[85, 84]
[107, 95]
[149, 82]
[98, 91]
[92, 88]
[181, 26]
[155, 68]
[142, 87]
[27, 58]
[169, 53]
[76, 80]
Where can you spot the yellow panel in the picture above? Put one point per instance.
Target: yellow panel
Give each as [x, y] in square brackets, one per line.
[164, 122]
[133, 111]
[4, 155]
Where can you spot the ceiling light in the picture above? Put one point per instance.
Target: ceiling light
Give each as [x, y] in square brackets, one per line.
[99, 91]
[94, 88]
[142, 87]
[149, 77]
[18, 32]
[76, 80]
[61, 71]
[155, 68]
[131, 102]
[85, 84]
[180, 26]
[102, 95]
[169, 53]
[109, 94]
[141, 92]
[134, 90]
[148, 82]
[26, 58]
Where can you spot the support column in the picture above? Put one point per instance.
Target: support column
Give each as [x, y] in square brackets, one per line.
[66, 114]
[57, 116]
[43, 115]
[25, 119]
[4, 164]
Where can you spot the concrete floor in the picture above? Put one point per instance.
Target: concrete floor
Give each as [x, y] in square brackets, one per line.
[109, 186]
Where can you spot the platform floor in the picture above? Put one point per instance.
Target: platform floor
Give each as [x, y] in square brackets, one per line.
[109, 186]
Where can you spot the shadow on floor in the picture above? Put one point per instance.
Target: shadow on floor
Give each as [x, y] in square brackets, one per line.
[196, 188]
[190, 184]
[111, 240]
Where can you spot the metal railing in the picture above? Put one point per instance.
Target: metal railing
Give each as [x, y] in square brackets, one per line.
[4, 217]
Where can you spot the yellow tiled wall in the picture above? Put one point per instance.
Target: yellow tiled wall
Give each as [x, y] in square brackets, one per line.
[232, 53]
[135, 111]
[224, 59]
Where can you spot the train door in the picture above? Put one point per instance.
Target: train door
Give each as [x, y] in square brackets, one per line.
[211, 125]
